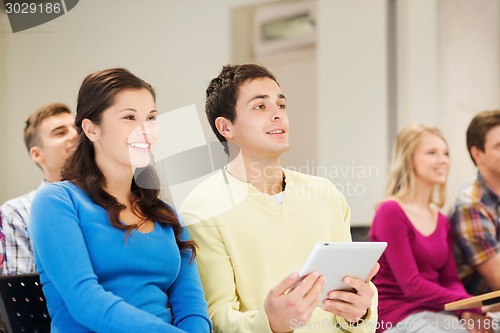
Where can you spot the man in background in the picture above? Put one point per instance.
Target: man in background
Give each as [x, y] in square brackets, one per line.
[49, 136]
[476, 212]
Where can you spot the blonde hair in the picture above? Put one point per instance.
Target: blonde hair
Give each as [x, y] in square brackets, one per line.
[401, 179]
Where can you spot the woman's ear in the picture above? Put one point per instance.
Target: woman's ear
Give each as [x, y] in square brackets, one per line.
[224, 126]
[91, 131]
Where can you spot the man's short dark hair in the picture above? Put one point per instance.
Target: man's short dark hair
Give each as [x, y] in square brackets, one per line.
[222, 92]
[479, 127]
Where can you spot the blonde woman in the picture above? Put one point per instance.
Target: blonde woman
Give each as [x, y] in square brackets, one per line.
[418, 273]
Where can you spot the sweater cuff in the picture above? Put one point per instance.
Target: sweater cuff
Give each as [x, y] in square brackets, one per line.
[262, 321]
[195, 324]
[367, 324]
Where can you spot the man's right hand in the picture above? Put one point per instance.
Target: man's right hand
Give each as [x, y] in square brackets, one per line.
[286, 306]
[477, 323]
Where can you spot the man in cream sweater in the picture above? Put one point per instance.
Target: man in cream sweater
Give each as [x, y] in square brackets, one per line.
[256, 222]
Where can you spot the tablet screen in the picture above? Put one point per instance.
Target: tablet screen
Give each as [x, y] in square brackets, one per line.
[336, 260]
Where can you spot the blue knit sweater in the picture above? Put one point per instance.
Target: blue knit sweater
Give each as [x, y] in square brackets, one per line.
[96, 279]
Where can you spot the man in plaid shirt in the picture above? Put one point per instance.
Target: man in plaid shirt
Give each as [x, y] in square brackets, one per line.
[50, 137]
[476, 212]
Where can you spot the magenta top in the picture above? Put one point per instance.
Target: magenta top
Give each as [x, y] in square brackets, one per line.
[417, 272]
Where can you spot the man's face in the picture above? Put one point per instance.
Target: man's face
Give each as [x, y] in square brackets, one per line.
[488, 161]
[56, 141]
[261, 125]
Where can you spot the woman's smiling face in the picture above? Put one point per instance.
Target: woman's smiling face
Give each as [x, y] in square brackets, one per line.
[128, 130]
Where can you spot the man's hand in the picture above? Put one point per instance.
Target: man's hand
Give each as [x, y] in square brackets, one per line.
[291, 303]
[477, 323]
[352, 306]
[491, 308]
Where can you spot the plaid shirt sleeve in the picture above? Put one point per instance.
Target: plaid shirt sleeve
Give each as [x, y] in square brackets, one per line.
[18, 248]
[475, 231]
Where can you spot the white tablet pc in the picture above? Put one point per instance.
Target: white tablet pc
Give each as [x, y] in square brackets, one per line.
[336, 260]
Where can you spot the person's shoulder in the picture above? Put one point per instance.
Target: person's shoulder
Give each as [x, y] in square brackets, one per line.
[472, 201]
[305, 178]
[208, 186]
[389, 214]
[442, 216]
[465, 195]
[469, 197]
[313, 184]
[443, 220]
[472, 194]
[63, 189]
[206, 195]
[15, 204]
[388, 207]
[389, 204]
[62, 186]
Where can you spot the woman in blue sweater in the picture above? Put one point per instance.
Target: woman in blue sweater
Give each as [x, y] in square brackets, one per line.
[112, 256]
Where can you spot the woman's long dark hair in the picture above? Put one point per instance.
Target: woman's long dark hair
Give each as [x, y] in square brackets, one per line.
[97, 94]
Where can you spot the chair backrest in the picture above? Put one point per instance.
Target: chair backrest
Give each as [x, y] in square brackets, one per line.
[22, 304]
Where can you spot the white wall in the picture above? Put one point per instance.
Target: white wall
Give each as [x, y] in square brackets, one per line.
[469, 68]
[175, 45]
[352, 100]
[417, 62]
[449, 70]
